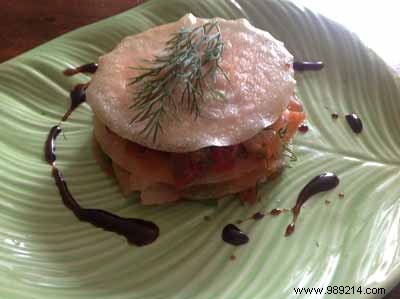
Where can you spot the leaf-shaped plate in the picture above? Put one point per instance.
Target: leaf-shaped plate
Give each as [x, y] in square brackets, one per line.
[46, 253]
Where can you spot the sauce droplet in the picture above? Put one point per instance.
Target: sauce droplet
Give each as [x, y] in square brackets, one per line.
[275, 212]
[303, 128]
[323, 182]
[50, 145]
[258, 216]
[354, 122]
[233, 235]
[90, 68]
[289, 229]
[302, 66]
[136, 231]
[77, 97]
[335, 115]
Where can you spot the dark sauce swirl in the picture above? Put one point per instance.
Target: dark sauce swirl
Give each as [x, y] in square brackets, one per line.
[233, 235]
[301, 66]
[354, 122]
[89, 68]
[323, 182]
[137, 231]
[77, 97]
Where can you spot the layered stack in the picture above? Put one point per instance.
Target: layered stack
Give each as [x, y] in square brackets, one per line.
[233, 141]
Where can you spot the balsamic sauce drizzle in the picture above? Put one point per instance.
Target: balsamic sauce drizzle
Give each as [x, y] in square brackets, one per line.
[354, 122]
[90, 68]
[258, 216]
[323, 182]
[301, 66]
[137, 231]
[77, 97]
[233, 235]
[275, 212]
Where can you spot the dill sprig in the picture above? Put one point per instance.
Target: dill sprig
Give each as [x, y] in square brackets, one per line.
[287, 151]
[192, 55]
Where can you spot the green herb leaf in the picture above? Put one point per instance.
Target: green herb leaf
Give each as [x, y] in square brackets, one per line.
[282, 132]
[192, 55]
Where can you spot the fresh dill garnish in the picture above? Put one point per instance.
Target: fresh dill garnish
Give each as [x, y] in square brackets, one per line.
[287, 151]
[282, 132]
[191, 56]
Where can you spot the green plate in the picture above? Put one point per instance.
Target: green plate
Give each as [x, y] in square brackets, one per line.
[45, 252]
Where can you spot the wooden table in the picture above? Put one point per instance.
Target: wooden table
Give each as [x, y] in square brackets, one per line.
[25, 24]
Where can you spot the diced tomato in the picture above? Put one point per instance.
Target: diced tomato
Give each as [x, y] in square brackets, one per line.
[295, 105]
[152, 166]
[288, 122]
[224, 157]
[294, 119]
[186, 168]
